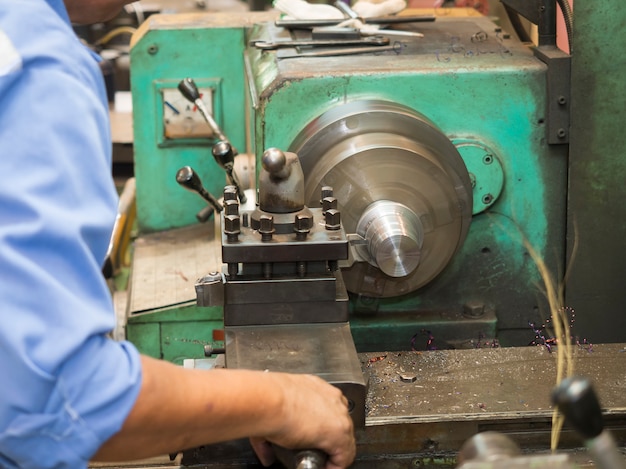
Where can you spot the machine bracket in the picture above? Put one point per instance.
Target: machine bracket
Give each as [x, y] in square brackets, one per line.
[559, 77]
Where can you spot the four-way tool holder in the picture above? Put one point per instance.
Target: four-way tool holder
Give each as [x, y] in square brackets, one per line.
[285, 303]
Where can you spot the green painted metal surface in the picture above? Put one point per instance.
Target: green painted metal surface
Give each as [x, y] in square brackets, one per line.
[175, 333]
[497, 99]
[209, 49]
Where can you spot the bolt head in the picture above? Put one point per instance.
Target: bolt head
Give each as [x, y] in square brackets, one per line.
[303, 222]
[332, 219]
[266, 224]
[232, 224]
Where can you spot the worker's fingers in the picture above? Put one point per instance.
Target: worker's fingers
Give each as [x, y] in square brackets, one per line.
[263, 450]
[315, 415]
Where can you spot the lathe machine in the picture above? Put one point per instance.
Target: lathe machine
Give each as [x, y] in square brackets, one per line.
[372, 215]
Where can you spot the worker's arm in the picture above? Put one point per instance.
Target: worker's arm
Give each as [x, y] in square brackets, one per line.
[179, 408]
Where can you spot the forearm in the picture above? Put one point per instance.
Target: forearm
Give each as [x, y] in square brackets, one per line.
[178, 409]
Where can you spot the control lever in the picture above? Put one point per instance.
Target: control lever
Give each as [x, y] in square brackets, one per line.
[300, 459]
[223, 151]
[190, 180]
[225, 156]
[577, 401]
[190, 91]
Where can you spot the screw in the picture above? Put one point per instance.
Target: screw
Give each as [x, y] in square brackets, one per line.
[302, 225]
[232, 227]
[230, 193]
[332, 219]
[474, 309]
[488, 159]
[266, 227]
[328, 203]
[209, 350]
[487, 199]
[562, 100]
[561, 133]
[153, 49]
[327, 191]
[231, 207]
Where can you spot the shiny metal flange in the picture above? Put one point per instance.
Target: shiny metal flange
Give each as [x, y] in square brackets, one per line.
[402, 188]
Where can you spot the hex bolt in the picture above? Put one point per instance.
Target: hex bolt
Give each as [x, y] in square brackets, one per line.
[332, 219]
[302, 225]
[327, 191]
[266, 227]
[407, 378]
[473, 309]
[232, 227]
[328, 203]
[230, 193]
[231, 207]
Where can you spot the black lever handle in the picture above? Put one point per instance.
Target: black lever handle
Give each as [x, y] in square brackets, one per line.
[224, 155]
[190, 91]
[578, 402]
[190, 180]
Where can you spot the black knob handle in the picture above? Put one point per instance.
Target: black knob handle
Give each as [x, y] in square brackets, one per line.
[189, 90]
[578, 402]
[190, 180]
[224, 154]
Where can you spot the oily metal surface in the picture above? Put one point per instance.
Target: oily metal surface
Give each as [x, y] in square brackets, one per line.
[484, 384]
[370, 151]
[456, 394]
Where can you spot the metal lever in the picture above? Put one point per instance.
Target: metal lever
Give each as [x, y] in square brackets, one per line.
[190, 180]
[381, 20]
[190, 91]
[578, 402]
[224, 155]
[377, 40]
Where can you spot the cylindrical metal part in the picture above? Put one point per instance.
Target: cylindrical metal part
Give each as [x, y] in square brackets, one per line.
[394, 236]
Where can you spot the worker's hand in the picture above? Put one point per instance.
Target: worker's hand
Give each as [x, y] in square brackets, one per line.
[313, 415]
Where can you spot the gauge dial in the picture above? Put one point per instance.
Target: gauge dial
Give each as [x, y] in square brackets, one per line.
[181, 118]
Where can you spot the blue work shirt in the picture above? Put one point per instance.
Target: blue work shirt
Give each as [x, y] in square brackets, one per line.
[65, 387]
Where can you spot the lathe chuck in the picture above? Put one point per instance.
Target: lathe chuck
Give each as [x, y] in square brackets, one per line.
[404, 192]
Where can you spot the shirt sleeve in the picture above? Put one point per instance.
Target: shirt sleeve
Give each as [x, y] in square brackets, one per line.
[67, 387]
